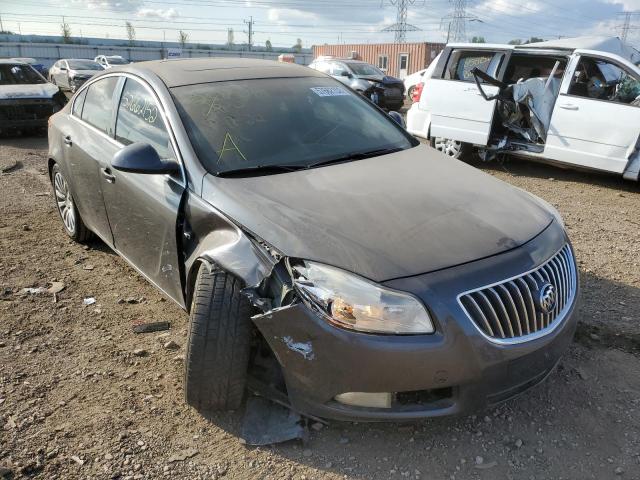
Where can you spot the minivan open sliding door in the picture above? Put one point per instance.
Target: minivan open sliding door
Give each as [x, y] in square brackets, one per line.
[458, 110]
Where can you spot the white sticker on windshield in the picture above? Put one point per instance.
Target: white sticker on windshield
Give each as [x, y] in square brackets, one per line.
[329, 91]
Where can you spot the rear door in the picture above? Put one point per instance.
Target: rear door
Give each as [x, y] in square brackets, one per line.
[143, 209]
[458, 110]
[596, 119]
[89, 145]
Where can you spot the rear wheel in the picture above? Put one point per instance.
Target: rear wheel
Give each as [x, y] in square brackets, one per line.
[73, 224]
[451, 148]
[219, 342]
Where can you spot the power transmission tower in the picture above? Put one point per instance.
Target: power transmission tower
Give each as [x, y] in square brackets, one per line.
[627, 24]
[456, 22]
[401, 27]
[249, 32]
[458, 26]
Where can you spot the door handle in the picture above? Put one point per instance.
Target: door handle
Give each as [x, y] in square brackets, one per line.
[106, 174]
[67, 140]
[569, 106]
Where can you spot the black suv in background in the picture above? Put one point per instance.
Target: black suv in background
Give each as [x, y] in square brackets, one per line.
[385, 91]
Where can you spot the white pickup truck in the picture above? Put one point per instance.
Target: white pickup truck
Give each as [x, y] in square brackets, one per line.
[571, 101]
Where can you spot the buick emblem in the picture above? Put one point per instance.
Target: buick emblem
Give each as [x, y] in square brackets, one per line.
[547, 298]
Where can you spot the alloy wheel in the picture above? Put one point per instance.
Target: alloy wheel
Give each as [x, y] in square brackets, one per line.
[65, 203]
[449, 147]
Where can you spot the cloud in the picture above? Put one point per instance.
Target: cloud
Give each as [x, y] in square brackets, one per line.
[626, 4]
[112, 5]
[168, 14]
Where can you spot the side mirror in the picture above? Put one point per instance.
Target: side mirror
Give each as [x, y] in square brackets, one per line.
[397, 118]
[344, 73]
[63, 68]
[142, 158]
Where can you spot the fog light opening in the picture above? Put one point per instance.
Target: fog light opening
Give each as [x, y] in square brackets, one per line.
[365, 399]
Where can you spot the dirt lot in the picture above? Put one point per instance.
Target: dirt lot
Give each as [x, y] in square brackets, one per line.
[76, 401]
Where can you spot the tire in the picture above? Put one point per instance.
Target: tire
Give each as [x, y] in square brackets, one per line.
[66, 206]
[218, 345]
[451, 148]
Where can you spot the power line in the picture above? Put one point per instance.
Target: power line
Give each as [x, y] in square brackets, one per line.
[401, 27]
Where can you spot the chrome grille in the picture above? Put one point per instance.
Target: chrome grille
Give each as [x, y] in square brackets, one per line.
[512, 310]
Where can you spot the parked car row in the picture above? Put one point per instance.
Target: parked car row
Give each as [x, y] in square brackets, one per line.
[73, 72]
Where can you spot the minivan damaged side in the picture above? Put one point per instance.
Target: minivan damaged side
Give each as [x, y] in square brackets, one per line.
[316, 246]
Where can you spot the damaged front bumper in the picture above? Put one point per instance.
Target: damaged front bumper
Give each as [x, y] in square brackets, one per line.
[27, 113]
[452, 371]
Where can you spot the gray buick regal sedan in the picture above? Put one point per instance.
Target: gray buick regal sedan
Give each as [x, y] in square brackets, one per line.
[319, 249]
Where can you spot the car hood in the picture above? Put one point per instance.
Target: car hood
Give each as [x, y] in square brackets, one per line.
[84, 73]
[384, 79]
[28, 90]
[397, 215]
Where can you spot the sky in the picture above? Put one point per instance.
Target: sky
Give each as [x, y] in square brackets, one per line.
[319, 21]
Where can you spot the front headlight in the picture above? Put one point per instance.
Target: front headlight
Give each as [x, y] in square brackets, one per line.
[353, 302]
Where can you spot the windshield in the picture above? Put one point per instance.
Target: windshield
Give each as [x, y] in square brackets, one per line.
[19, 74]
[84, 65]
[116, 61]
[295, 122]
[364, 69]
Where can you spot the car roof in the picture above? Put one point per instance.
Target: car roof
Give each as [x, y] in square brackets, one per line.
[189, 71]
[12, 61]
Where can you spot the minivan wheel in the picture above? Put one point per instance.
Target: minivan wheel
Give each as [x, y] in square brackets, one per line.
[218, 345]
[451, 148]
[73, 224]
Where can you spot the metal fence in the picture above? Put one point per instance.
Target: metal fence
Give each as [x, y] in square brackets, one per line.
[49, 53]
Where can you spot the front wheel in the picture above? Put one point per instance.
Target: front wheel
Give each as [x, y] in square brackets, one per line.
[219, 341]
[452, 148]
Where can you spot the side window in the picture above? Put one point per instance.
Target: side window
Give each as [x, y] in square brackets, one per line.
[78, 103]
[338, 68]
[603, 80]
[322, 67]
[139, 120]
[98, 104]
[462, 62]
[383, 62]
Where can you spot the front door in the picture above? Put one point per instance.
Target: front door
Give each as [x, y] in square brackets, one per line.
[143, 209]
[403, 65]
[89, 145]
[458, 110]
[596, 119]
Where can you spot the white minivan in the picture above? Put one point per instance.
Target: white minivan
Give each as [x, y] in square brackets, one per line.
[571, 101]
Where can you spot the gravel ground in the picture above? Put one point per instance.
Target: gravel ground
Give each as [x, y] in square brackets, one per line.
[78, 399]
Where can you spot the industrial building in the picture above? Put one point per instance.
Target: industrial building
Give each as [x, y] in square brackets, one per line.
[395, 59]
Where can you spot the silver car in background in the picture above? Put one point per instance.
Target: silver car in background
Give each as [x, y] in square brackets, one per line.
[73, 72]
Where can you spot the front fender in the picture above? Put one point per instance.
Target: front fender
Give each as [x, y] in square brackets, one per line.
[212, 238]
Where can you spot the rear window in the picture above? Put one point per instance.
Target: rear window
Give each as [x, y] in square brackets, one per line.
[281, 121]
[98, 104]
[84, 65]
[462, 62]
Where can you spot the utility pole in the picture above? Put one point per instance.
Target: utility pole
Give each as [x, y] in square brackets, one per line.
[249, 32]
[1, 26]
[401, 27]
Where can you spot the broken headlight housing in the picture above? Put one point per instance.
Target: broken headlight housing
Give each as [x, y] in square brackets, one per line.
[352, 302]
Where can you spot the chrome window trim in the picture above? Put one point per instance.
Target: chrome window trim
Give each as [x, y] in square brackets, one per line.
[163, 109]
[544, 331]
